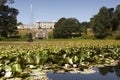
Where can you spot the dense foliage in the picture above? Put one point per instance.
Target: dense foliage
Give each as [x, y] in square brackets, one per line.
[102, 23]
[16, 58]
[67, 28]
[106, 22]
[3, 2]
[8, 19]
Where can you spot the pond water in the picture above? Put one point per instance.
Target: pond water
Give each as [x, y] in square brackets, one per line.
[102, 73]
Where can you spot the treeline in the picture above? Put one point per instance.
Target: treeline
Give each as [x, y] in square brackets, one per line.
[106, 23]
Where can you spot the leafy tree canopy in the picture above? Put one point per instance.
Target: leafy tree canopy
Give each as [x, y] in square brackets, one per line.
[8, 19]
[102, 22]
[67, 28]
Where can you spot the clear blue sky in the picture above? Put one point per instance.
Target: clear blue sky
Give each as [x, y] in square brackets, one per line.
[48, 10]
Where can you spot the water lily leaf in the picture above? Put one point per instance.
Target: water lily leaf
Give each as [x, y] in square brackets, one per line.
[64, 56]
[8, 68]
[1, 68]
[76, 59]
[37, 58]
[69, 60]
[29, 59]
[17, 67]
[24, 74]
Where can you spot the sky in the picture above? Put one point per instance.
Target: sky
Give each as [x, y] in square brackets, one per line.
[53, 10]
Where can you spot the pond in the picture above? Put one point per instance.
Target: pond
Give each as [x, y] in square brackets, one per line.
[102, 73]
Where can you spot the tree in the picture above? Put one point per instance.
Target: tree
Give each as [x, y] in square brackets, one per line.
[117, 13]
[67, 28]
[116, 22]
[84, 26]
[30, 37]
[8, 20]
[57, 32]
[3, 2]
[116, 18]
[102, 22]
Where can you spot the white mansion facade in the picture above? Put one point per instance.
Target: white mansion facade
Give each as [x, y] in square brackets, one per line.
[39, 29]
[38, 25]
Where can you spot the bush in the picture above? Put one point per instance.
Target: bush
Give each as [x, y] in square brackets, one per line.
[50, 35]
[2, 38]
[110, 37]
[100, 36]
[17, 36]
[117, 37]
[14, 38]
[87, 37]
[30, 37]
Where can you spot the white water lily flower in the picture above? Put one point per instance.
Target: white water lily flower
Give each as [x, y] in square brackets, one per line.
[67, 66]
[101, 55]
[8, 74]
[1, 64]
[74, 65]
[82, 64]
[31, 66]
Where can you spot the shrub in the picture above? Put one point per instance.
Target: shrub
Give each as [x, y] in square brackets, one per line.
[50, 35]
[30, 37]
[87, 37]
[117, 37]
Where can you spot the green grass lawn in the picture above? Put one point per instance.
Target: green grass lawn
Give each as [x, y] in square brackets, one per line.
[63, 43]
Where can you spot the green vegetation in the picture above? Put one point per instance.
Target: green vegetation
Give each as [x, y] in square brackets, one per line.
[67, 28]
[8, 19]
[104, 24]
[16, 57]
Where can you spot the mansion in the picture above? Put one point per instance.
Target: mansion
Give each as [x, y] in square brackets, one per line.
[39, 29]
[38, 25]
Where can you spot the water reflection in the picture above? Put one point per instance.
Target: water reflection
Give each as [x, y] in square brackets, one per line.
[105, 70]
[110, 69]
[103, 73]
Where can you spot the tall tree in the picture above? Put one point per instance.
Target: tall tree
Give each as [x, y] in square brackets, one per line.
[67, 28]
[116, 18]
[8, 20]
[57, 32]
[101, 23]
